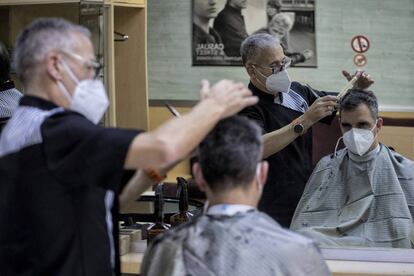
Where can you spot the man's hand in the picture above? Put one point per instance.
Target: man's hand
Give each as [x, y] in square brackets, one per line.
[364, 79]
[322, 107]
[227, 96]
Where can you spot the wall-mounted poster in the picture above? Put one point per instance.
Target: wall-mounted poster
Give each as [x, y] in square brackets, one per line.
[219, 27]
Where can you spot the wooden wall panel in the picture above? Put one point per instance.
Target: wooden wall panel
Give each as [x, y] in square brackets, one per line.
[130, 68]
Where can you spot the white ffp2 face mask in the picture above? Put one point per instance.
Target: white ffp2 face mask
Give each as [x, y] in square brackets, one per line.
[279, 82]
[89, 98]
[358, 140]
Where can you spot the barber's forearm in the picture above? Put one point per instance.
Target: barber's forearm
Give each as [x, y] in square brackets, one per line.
[175, 139]
[277, 140]
[138, 184]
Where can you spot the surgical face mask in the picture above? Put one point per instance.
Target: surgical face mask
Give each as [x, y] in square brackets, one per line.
[278, 82]
[358, 140]
[89, 98]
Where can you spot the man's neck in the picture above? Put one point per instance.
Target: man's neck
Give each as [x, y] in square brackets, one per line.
[374, 145]
[46, 92]
[202, 23]
[36, 91]
[233, 196]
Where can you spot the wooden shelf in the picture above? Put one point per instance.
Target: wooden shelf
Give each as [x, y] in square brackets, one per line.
[125, 62]
[129, 3]
[130, 68]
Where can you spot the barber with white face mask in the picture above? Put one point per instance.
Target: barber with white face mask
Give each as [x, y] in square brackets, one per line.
[89, 97]
[64, 171]
[285, 112]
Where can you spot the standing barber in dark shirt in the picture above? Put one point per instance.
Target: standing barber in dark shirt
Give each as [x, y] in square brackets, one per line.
[285, 112]
[61, 172]
[231, 26]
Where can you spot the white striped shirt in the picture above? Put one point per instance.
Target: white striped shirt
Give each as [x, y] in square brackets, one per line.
[293, 101]
[9, 100]
[23, 129]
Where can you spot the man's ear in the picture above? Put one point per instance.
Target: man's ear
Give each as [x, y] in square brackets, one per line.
[261, 175]
[380, 123]
[54, 67]
[264, 169]
[198, 175]
[250, 69]
[340, 125]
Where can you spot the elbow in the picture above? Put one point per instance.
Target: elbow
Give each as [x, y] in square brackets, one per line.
[149, 150]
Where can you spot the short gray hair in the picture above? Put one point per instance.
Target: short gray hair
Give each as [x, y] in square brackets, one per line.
[255, 43]
[39, 38]
[355, 98]
[229, 155]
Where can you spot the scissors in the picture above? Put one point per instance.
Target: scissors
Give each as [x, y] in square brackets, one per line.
[172, 109]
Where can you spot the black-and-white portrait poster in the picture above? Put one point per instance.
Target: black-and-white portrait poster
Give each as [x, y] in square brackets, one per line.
[219, 27]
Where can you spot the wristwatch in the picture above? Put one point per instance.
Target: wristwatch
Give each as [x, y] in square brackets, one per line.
[298, 127]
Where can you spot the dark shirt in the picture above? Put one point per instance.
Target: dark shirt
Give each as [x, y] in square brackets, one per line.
[232, 29]
[290, 168]
[60, 175]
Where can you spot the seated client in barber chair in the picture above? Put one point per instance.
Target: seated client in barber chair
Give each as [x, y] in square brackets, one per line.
[362, 195]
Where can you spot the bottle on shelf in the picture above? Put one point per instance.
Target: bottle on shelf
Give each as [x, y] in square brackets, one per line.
[159, 227]
[183, 214]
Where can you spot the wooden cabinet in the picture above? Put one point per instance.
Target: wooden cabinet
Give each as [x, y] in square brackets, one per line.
[125, 62]
[129, 2]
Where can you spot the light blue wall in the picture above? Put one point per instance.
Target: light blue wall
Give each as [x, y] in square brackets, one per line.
[388, 24]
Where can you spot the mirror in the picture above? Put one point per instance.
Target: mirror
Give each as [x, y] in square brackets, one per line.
[358, 201]
[384, 23]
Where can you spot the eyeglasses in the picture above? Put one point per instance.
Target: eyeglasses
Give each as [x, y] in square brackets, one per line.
[277, 68]
[88, 64]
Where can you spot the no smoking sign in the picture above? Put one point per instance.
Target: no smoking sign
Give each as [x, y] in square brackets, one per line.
[360, 44]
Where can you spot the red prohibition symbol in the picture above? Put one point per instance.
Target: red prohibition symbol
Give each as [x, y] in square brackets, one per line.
[360, 44]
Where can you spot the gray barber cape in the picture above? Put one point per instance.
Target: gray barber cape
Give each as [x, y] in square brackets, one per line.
[351, 200]
[249, 243]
